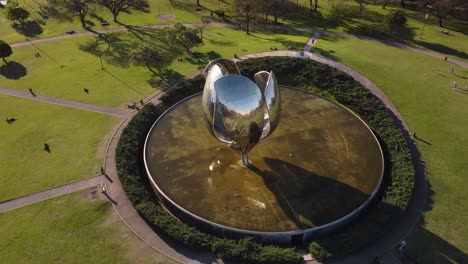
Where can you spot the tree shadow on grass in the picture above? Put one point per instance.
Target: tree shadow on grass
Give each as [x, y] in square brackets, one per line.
[297, 45]
[116, 48]
[442, 49]
[13, 70]
[165, 79]
[28, 29]
[202, 59]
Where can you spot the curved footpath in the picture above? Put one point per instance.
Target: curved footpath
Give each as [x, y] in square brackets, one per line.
[217, 24]
[182, 254]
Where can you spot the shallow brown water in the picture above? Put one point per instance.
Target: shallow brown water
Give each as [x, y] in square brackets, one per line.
[320, 164]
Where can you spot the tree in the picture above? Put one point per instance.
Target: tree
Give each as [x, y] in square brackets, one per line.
[117, 6]
[185, 37]
[394, 19]
[17, 13]
[445, 8]
[362, 4]
[205, 21]
[5, 50]
[72, 8]
[276, 8]
[247, 8]
[145, 54]
[384, 4]
[315, 5]
[338, 9]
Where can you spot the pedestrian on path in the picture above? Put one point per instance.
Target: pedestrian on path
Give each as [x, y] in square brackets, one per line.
[452, 71]
[31, 91]
[454, 85]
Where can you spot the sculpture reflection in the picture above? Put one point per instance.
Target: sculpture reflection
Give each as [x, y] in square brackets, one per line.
[238, 111]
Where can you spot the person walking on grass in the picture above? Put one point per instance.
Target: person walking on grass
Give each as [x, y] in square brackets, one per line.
[454, 85]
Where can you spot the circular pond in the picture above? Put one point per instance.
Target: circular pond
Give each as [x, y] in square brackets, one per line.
[321, 166]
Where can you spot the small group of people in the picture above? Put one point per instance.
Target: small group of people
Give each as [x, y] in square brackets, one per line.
[37, 55]
[455, 86]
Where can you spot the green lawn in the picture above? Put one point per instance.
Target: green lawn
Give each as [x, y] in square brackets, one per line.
[74, 228]
[370, 24]
[77, 139]
[69, 65]
[184, 11]
[436, 112]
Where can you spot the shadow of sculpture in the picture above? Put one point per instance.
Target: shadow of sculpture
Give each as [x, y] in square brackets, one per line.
[306, 198]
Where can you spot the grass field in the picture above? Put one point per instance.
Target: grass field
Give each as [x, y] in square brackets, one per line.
[68, 66]
[76, 138]
[370, 23]
[184, 11]
[436, 112]
[75, 228]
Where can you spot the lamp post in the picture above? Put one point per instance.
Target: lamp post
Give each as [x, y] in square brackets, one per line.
[422, 29]
[159, 10]
[99, 51]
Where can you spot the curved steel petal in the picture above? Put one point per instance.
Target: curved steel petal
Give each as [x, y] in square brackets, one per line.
[261, 78]
[272, 99]
[227, 66]
[239, 112]
[215, 70]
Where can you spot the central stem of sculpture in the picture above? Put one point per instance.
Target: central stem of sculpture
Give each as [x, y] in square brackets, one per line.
[237, 110]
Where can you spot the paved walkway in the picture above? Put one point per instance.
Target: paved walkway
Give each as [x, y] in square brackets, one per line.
[51, 193]
[64, 102]
[217, 24]
[312, 41]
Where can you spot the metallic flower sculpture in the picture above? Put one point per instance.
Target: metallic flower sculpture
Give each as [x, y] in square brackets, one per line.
[237, 111]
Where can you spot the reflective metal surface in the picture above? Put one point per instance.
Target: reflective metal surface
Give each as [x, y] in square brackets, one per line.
[238, 111]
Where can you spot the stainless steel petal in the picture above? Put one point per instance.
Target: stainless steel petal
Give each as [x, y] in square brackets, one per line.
[272, 99]
[261, 78]
[239, 112]
[227, 66]
[215, 70]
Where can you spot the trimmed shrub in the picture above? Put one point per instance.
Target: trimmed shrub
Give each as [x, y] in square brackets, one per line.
[306, 74]
[318, 251]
